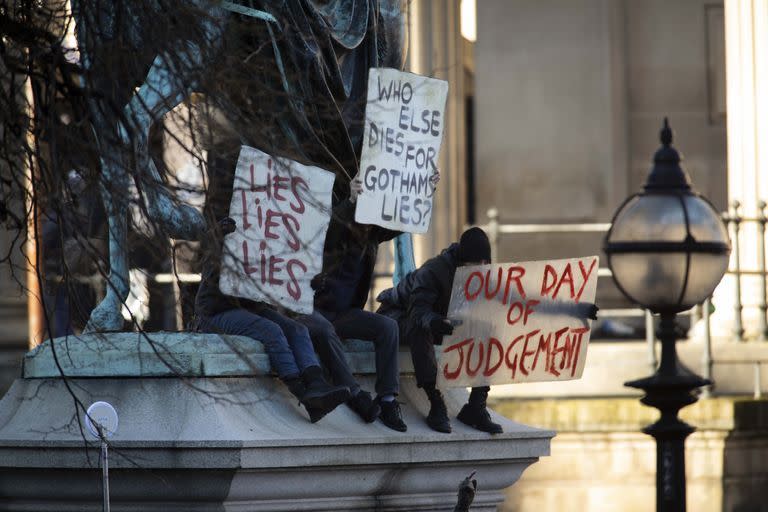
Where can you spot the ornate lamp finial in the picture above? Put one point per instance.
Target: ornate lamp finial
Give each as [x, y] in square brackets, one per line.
[666, 134]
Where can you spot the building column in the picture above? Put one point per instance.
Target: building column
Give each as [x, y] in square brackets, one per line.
[435, 48]
[746, 45]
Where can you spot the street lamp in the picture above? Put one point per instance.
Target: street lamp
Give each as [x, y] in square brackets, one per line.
[667, 249]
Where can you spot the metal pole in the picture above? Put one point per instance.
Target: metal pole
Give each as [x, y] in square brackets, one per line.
[695, 315]
[35, 313]
[669, 389]
[706, 361]
[178, 313]
[735, 221]
[761, 220]
[493, 232]
[650, 340]
[104, 470]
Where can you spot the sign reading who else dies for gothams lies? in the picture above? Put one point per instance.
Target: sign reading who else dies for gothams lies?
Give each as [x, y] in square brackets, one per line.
[404, 125]
[282, 210]
[519, 322]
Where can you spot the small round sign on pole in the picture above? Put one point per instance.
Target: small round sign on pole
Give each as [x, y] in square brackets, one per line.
[103, 415]
[101, 422]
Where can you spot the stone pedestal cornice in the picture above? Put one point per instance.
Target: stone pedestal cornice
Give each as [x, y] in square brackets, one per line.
[208, 434]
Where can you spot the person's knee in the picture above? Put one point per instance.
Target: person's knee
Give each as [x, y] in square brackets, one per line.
[390, 330]
[327, 334]
[295, 330]
[269, 334]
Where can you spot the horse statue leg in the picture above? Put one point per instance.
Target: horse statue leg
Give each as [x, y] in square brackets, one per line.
[161, 91]
[112, 182]
[165, 87]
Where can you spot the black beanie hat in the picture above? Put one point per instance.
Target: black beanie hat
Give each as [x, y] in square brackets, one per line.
[474, 246]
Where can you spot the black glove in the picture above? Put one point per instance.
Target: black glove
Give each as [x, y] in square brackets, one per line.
[440, 327]
[588, 310]
[318, 282]
[227, 225]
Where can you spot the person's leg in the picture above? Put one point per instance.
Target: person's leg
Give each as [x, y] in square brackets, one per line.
[297, 336]
[475, 412]
[244, 323]
[331, 352]
[305, 383]
[384, 332]
[421, 343]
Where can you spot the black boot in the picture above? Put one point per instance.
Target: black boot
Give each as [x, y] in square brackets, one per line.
[319, 397]
[437, 418]
[391, 415]
[364, 406]
[475, 412]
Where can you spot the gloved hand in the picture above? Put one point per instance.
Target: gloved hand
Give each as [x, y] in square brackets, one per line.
[227, 225]
[588, 310]
[440, 327]
[355, 189]
[318, 282]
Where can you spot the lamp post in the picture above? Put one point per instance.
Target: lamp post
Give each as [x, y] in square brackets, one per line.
[667, 249]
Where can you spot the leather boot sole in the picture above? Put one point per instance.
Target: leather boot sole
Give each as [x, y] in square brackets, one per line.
[319, 404]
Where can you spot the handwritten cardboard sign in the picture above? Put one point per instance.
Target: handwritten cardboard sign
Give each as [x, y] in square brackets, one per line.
[404, 124]
[282, 210]
[520, 322]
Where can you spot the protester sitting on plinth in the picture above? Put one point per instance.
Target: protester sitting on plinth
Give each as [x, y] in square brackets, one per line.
[286, 341]
[348, 262]
[419, 303]
[330, 349]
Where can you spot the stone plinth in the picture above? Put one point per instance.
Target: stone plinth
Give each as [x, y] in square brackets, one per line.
[208, 434]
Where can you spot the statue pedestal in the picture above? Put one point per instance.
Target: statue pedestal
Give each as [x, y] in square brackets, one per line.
[217, 432]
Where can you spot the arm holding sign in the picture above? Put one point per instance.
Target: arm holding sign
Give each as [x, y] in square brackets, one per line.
[434, 179]
[422, 300]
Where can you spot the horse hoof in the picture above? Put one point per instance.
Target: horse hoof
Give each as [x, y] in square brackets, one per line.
[105, 318]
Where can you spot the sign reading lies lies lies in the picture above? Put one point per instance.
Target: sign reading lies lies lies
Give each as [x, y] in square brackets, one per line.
[519, 322]
[282, 210]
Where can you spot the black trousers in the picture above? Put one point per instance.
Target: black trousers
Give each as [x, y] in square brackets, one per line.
[421, 343]
[327, 330]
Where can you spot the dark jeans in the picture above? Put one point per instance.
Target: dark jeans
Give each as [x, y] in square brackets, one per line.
[420, 341]
[285, 341]
[383, 332]
[330, 349]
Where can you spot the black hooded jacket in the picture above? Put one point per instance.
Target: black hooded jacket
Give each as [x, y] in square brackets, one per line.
[425, 293]
[348, 260]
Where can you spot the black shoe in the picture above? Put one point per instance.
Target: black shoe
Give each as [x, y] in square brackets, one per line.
[437, 418]
[319, 397]
[479, 418]
[364, 406]
[391, 415]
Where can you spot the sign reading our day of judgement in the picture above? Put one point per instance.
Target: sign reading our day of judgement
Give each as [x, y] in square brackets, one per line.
[404, 125]
[282, 210]
[519, 322]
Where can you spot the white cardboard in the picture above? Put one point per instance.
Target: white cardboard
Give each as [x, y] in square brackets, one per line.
[282, 210]
[505, 336]
[404, 125]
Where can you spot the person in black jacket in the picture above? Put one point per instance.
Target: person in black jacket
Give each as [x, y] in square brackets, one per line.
[419, 303]
[348, 262]
[286, 341]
